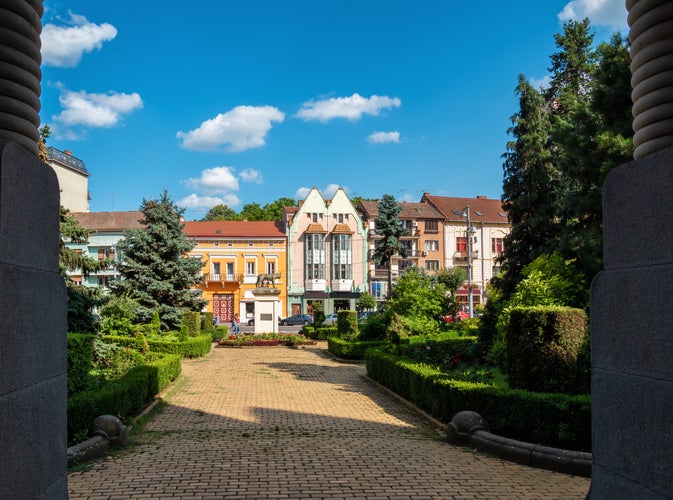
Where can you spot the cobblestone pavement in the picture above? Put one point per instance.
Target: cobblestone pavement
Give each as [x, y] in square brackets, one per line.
[282, 423]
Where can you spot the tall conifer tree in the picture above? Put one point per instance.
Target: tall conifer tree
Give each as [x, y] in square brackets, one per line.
[155, 269]
[389, 227]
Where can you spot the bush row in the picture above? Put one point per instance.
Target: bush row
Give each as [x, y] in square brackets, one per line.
[345, 349]
[124, 396]
[80, 361]
[192, 347]
[557, 420]
[320, 333]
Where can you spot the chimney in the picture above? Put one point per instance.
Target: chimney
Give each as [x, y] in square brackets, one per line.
[482, 197]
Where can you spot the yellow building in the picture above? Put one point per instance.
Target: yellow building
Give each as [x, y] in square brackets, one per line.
[234, 253]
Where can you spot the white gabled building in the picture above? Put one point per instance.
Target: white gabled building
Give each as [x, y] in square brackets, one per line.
[327, 253]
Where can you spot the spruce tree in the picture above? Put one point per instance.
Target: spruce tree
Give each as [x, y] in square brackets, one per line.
[389, 227]
[155, 268]
[530, 186]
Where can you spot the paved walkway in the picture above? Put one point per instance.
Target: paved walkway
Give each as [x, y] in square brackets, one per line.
[276, 422]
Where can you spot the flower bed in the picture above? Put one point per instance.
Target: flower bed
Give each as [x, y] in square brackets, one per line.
[265, 339]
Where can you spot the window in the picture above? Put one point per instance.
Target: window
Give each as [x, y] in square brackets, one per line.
[432, 265]
[271, 267]
[314, 217]
[431, 245]
[216, 271]
[103, 280]
[495, 270]
[250, 268]
[461, 244]
[496, 245]
[432, 226]
[230, 271]
[314, 256]
[378, 290]
[342, 256]
[403, 265]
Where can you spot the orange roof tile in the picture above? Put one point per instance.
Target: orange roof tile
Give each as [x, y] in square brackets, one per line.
[109, 221]
[481, 208]
[234, 229]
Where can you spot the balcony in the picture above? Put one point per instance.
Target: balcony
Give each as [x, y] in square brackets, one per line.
[341, 285]
[315, 285]
[223, 278]
[464, 255]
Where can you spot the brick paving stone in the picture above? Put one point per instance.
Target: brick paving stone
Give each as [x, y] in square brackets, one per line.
[281, 423]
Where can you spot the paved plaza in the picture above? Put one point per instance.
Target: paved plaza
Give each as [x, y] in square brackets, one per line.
[293, 423]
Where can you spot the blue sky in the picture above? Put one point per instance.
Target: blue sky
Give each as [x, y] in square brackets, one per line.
[246, 101]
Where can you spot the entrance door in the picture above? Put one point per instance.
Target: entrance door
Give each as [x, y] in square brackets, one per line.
[223, 308]
[296, 309]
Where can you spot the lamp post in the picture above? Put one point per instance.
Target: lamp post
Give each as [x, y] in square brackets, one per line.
[469, 231]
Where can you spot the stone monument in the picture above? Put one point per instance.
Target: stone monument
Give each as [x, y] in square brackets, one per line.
[631, 314]
[33, 349]
[268, 307]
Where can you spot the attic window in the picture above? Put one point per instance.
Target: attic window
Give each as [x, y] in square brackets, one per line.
[218, 231]
[478, 212]
[502, 214]
[458, 213]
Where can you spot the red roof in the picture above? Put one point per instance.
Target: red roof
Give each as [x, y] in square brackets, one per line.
[109, 221]
[408, 210]
[481, 208]
[234, 229]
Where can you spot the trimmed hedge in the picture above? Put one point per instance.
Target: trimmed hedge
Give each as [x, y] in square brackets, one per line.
[557, 420]
[321, 333]
[80, 361]
[124, 396]
[351, 350]
[191, 323]
[347, 324]
[544, 347]
[193, 347]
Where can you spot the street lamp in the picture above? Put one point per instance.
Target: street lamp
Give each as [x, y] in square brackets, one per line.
[469, 232]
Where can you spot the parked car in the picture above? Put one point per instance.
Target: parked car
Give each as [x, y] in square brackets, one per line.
[330, 319]
[297, 319]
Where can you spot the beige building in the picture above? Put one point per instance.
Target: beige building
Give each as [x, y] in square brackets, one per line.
[327, 253]
[474, 232]
[424, 242]
[73, 179]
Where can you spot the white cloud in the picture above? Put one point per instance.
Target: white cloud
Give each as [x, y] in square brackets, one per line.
[244, 127]
[194, 201]
[327, 192]
[81, 109]
[383, 137]
[540, 83]
[63, 46]
[217, 180]
[251, 175]
[600, 12]
[351, 108]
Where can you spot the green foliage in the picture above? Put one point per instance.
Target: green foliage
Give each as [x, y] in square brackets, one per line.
[118, 316]
[366, 301]
[220, 213]
[350, 349]
[347, 324]
[192, 347]
[124, 396]
[390, 229]
[419, 299]
[156, 270]
[191, 321]
[80, 361]
[544, 345]
[207, 322]
[558, 420]
[318, 314]
[374, 328]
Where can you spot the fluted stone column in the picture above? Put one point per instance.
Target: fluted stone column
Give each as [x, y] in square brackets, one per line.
[33, 432]
[632, 299]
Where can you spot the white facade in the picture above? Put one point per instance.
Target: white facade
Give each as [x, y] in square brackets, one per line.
[73, 179]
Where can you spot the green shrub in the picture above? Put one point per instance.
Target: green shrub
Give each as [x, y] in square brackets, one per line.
[124, 396]
[543, 348]
[346, 349]
[207, 324]
[191, 323]
[347, 324]
[550, 419]
[321, 333]
[80, 361]
[192, 347]
[374, 328]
